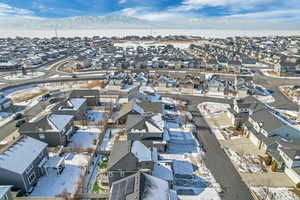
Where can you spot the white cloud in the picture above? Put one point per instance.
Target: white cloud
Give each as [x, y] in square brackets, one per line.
[122, 1]
[6, 9]
[234, 5]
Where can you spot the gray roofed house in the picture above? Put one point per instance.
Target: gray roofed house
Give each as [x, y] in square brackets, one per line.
[141, 186]
[129, 157]
[73, 106]
[21, 164]
[92, 96]
[53, 129]
[128, 108]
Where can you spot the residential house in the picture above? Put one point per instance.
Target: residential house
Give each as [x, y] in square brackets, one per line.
[147, 128]
[92, 96]
[264, 124]
[73, 106]
[52, 129]
[131, 107]
[141, 186]
[129, 157]
[21, 164]
[5, 102]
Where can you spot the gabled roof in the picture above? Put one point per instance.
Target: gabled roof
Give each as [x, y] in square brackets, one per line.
[139, 123]
[19, 156]
[268, 120]
[4, 190]
[51, 122]
[123, 148]
[141, 186]
[129, 107]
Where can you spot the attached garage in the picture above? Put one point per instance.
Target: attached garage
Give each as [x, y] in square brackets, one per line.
[293, 174]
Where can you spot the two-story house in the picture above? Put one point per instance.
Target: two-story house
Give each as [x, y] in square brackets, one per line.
[141, 186]
[21, 164]
[74, 106]
[53, 129]
[129, 157]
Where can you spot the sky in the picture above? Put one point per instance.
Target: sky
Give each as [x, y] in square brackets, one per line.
[241, 13]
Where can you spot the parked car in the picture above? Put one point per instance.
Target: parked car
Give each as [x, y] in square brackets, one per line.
[53, 100]
[18, 116]
[20, 122]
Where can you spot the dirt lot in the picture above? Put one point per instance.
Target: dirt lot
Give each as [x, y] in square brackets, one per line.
[242, 146]
[270, 179]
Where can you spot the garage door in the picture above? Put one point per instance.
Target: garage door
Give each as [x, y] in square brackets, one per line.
[254, 140]
[292, 175]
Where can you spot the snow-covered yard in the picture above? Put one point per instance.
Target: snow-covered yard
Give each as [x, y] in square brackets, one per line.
[245, 163]
[209, 109]
[66, 183]
[85, 138]
[275, 193]
[20, 76]
[95, 115]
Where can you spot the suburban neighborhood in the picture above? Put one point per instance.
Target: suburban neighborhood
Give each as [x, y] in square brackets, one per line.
[150, 117]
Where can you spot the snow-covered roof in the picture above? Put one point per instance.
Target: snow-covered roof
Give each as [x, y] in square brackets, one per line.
[3, 190]
[137, 108]
[76, 103]
[19, 156]
[59, 122]
[141, 151]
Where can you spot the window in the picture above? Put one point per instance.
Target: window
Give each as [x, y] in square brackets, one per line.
[122, 174]
[42, 136]
[29, 169]
[31, 178]
[110, 174]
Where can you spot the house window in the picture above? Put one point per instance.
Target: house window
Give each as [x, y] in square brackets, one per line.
[110, 174]
[42, 136]
[31, 178]
[29, 169]
[122, 174]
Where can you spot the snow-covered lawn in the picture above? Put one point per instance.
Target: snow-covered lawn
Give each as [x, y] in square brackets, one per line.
[95, 116]
[265, 99]
[218, 133]
[67, 183]
[109, 138]
[27, 76]
[207, 193]
[245, 163]
[209, 109]
[274, 193]
[86, 138]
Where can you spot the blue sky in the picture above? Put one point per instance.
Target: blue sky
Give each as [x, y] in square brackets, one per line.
[193, 11]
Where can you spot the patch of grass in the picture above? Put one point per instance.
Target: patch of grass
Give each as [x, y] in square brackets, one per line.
[103, 164]
[96, 188]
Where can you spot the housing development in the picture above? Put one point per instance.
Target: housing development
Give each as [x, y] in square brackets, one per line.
[150, 118]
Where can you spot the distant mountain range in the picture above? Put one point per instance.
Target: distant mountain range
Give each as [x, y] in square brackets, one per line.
[80, 22]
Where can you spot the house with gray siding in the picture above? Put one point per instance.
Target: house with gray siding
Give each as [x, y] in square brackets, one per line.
[141, 186]
[129, 157]
[92, 96]
[21, 164]
[53, 129]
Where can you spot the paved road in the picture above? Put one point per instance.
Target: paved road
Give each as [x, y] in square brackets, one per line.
[215, 158]
[219, 164]
[281, 101]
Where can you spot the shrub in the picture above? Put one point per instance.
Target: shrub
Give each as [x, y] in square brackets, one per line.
[298, 185]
